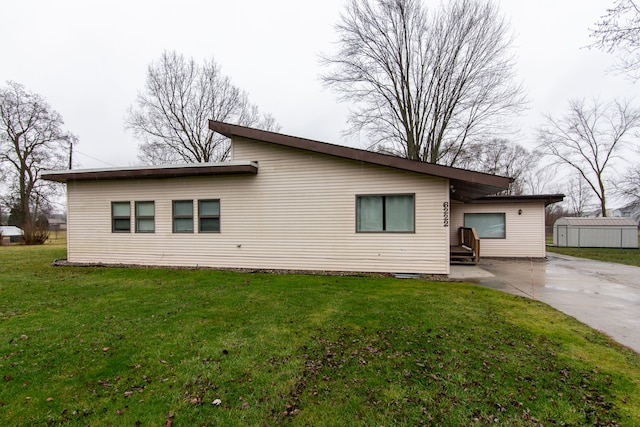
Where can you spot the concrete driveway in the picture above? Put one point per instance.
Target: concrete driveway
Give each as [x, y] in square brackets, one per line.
[602, 295]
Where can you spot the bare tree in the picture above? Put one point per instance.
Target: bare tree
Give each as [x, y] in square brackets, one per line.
[424, 82]
[629, 186]
[588, 139]
[500, 157]
[32, 139]
[552, 213]
[540, 178]
[171, 116]
[618, 32]
[579, 196]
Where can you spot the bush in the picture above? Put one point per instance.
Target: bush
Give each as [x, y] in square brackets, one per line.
[36, 235]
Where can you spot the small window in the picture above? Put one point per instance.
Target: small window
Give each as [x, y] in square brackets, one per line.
[120, 217]
[393, 213]
[183, 216]
[487, 225]
[209, 216]
[145, 217]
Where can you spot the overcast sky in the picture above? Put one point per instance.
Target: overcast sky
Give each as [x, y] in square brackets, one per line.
[88, 59]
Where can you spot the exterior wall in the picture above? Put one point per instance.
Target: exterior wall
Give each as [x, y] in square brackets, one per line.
[297, 213]
[524, 233]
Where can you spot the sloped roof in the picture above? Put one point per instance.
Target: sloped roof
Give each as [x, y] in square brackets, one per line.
[466, 184]
[631, 211]
[10, 231]
[600, 222]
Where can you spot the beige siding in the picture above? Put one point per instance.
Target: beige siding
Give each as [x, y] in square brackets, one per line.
[297, 213]
[524, 233]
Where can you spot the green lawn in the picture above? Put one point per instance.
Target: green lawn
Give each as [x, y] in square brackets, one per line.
[108, 346]
[621, 256]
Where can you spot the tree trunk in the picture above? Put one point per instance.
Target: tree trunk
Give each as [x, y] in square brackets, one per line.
[603, 204]
[27, 222]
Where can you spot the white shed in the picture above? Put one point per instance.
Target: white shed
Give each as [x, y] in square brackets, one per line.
[596, 233]
[10, 234]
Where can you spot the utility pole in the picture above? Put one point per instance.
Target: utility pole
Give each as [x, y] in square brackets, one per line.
[70, 155]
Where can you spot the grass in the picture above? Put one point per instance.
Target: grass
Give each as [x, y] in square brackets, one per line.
[621, 256]
[107, 346]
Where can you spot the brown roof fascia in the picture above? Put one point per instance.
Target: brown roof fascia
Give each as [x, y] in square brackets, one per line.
[494, 181]
[143, 173]
[548, 199]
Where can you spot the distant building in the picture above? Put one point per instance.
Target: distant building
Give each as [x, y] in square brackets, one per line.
[57, 222]
[632, 210]
[596, 233]
[10, 234]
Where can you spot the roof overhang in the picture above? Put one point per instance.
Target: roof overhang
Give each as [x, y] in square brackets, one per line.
[598, 221]
[547, 199]
[170, 171]
[465, 184]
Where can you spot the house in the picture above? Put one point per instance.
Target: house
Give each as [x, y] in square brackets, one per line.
[10, 234]
[57, 222]
[284, 202]
[596, 232]
[632, 210]
[508, 226]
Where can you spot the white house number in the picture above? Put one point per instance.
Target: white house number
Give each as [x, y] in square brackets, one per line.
[445, 213]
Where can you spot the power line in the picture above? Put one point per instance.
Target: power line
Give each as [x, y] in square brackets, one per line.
[95, 158]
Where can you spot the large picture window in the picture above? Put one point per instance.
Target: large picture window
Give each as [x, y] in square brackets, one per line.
[487, 225]
[209, 216]
[183, 216]
[388, 213]
[145, 217]
[121, 217]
